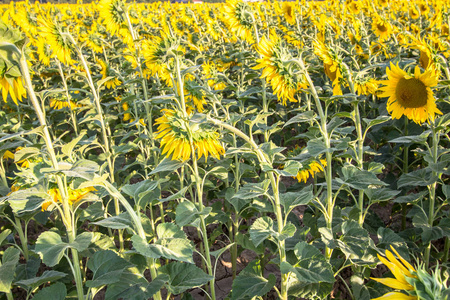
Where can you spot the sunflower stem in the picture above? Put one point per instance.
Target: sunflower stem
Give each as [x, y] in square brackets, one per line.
[432, 189]
[274, 181]
[67, 216]
[328, 168]
[66, 89]
[103, 127]
[360, 142]
[202, 218]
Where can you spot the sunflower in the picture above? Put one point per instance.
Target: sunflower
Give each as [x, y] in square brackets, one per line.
[273, 61]
[310, 169]
[210, 71]
[61, 102]
[366, 86]
[238, 17]
[382, 28]
[58, 41]
[113, 14]
[93, 39]
[402, 271]
[354, 7]
[413, 12]
[288, 12]
[44, 51]
[331, 65]
[74, 196]
[12, 86]
[410, 95]
[107, 72]
[176, 133]
[195, 94]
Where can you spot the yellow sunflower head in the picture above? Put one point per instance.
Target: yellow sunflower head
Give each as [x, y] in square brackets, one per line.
[58, 40]
[331, 64]
[288, 9]
[180, 136]
[382, 28]
[106, 72]
[310, 169]
[113, 13]
[74, 196]
[276, 69]
[410, 95]
[239, 19]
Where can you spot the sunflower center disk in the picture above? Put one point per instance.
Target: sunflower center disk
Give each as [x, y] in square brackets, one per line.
[381, 27]
[411, 93]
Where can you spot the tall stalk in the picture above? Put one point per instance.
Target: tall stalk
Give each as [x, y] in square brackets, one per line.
[432, 188]
[106, 141]
[359, 143]
[66, 89]
[274, 182]
[67, 216]
[327, 140]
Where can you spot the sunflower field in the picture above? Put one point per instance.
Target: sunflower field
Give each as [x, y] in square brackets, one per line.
[263, 150]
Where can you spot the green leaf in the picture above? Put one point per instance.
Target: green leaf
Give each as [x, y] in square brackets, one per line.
[107, 267]
[27, 201]
[169, 230]
[306, 116]
[251, 283]
[287, 232]
[377, 121]
[174, 248]
[354, 243]
[290, 200]
[68, 148]
[381, 194]
[312, 266]
[47, 276]
[261, 229]
[56, 291]
[183, 277]
[411, 198]
[429, 233]
[121, 221]
[82, 241]
[50, 248]
[421, 177]
[167, 165]
[133, 286]
[411, 139]
[186, 213]
[291, 168]
[317, 147]
[93, 212]
[309, 291]
[4, 234]
[358, 179]
[177, 195]
[9, 261]
[359, 289]
[143, 192]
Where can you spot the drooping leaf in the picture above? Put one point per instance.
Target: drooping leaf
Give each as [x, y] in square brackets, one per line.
[107, 267]
[9, 261]
[183, 277]
[179, 249]
[251, 282]
[290, 200]
[312, 266]
[56, 291]
[261, 229]
[47, 276]
[121, 221]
